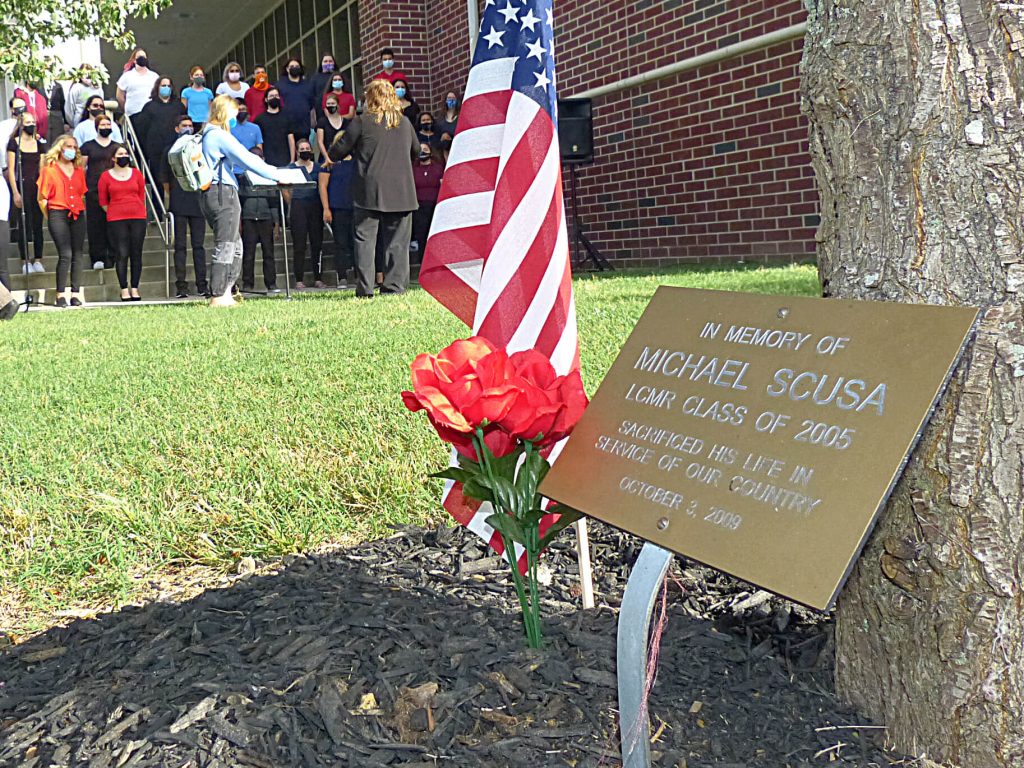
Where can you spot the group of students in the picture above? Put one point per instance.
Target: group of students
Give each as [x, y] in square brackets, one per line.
[298, 122]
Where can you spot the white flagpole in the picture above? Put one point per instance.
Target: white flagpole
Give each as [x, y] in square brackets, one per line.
[474, 25]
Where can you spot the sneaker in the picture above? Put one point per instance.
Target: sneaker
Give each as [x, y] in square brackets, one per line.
[75, 301]
[300, 286]
[26, 268]
[37, 266]
[62, 303]
[97, 265]
[181, 295]
[273, 290]
[319, 284]
[414, 245]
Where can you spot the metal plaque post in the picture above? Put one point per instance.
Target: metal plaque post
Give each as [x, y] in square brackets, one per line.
[631, 656]
[284, 243]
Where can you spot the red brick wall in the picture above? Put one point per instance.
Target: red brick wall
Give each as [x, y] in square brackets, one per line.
[400, 25]
[709, 165]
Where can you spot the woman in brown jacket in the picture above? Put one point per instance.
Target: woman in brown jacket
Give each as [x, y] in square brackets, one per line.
[384, 146]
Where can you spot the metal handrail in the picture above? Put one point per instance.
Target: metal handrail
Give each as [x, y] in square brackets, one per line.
[154, 196]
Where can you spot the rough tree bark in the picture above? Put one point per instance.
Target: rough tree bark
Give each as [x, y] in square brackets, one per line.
[917, 139]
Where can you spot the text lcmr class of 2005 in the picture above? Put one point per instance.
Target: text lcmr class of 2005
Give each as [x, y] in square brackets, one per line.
[752, 476]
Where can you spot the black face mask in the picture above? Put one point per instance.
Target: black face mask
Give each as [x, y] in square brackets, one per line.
[426, 127]
[29, 130]
[141, 61]
[17, 111]
[104, 132]
[243, 116]
[295, 71]
[95, 111]
[199, 80]
[123, 162]
[424, 155]
[332, 108]
[274, 103]
[306, 154]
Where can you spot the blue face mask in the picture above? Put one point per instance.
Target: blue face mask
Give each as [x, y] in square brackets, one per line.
[388, 63]
[165, 91]
[450, 103]
[400, 92]
[69, 155]
[232, 122]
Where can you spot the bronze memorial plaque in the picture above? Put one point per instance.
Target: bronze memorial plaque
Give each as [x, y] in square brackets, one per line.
[760, 435]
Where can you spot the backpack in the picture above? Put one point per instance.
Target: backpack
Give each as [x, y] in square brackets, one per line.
[188, 163]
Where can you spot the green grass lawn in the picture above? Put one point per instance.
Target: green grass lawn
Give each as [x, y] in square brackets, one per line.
[138, 440]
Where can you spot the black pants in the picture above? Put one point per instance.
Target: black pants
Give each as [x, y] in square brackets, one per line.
[307, 225]
[96, 224]
[69, 236]
[128, 236]
[5, 241]
[344, 243]
[183, 225]
[258, 232]
[421, 219]
[394, 229]
[33, 220]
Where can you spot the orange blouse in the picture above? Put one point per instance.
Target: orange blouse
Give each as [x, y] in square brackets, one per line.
[62, 193]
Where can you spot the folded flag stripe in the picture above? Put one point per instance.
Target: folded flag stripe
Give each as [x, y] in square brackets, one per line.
[497, 255]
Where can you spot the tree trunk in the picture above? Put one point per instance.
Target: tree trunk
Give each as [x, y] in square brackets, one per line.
[916, 139]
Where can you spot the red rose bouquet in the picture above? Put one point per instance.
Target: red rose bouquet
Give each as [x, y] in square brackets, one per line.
[502, 413]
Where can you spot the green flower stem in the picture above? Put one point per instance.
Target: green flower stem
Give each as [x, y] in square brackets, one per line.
[531, 623]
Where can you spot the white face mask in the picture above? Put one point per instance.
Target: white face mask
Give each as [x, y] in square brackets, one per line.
[234, 77]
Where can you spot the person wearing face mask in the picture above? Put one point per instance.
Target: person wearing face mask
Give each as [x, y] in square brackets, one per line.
[383, 145]
[99, 158]
[409, 106]
[196, 97]
[427, 173]
[17, 107]
[155, 123]
[220, 203]
[135, 86]
[278, 131]
[78, 94]
[36, 105]
[24, 151]
[426, 129]
[234, 84]
[62, 201]
[247, 132]
[188, 220]
[86, 128]
[335, 188]
[329, 126]
[322, 81]
[346, 101]
[255, 97]
[297, 97]
[123, 197]
[448, 122]
[307, 219]
[388, 71]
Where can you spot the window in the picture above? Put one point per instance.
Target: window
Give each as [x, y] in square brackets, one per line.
[342, 49]
[323, 10]
[307, 13]
[295, 29]
[248, 58]
[280, 24]
[310, 55]
[353, 25]
[259, 48]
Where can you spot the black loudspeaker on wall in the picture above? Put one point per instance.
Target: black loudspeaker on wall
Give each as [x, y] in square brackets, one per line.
[576, 130]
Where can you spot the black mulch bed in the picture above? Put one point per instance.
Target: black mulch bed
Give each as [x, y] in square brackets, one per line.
[408, 652]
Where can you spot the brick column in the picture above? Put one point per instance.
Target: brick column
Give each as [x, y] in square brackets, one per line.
[402, 26]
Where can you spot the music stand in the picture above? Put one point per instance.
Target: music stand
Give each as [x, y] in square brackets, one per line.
[579, 237]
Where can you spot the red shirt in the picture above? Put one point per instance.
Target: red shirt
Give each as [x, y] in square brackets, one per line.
[35, 103]
[254, 100]
[395, 75]
[61, 192]
[428, 181]
[346, 101]
[123, 199]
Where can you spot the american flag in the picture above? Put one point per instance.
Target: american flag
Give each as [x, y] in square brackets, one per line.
[498, 254]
